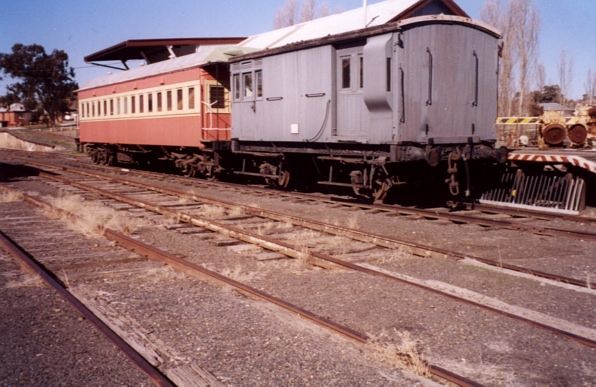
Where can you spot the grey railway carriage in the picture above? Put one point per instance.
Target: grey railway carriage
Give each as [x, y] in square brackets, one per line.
[369, 109]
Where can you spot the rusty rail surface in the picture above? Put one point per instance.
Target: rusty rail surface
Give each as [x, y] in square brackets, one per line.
[322, 260]
[154, 253]
[379, 240]
[16, 251]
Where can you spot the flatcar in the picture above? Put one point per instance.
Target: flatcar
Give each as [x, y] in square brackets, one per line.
[412, 101]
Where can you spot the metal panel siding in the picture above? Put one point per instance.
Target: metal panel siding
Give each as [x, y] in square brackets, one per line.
[179, 131]
[296, 88]
[447, 113]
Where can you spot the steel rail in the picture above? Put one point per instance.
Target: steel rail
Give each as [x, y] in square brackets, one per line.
[202, 273]
[290, 250]
[53, 282]
[378, 240]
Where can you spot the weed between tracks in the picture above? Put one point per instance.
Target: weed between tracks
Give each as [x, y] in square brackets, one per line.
[92, 218]
[211, 212]
[405, 353]
[10, 196]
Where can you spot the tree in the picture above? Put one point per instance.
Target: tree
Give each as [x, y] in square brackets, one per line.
[292, 13]
[565, 74]
[526, 44]
[518, 21]
[44, 80]
[500, 16]
[590, 87]
[549, 93]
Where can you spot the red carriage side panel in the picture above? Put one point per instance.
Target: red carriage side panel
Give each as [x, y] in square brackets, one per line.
[179, 108]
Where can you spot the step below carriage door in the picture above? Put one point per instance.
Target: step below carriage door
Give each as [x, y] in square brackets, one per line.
[350, 103]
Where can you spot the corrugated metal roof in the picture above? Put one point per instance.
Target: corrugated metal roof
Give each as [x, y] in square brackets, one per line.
[136, 48]
[376, 14]
[204, 55]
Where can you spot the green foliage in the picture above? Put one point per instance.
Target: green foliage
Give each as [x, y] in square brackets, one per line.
[549, 93]
[45, 81]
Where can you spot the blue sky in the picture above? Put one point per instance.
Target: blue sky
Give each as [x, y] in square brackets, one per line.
[81, 27]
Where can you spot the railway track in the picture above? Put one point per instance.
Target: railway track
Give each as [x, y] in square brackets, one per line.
[172, 205]
[477, 214]
[480, 214]
[435, 372]
[379, 241]
[50, 279]
[242, 227]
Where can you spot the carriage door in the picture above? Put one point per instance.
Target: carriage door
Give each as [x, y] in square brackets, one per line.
[350, 104]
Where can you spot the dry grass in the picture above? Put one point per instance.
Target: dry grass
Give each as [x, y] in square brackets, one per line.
[92, 218]
[211, 212]
[266, 228]
[338, 245]
[236, 211]
[405, 353]
[10, 196]
[353, 222]
[238, 274]
[402, 252]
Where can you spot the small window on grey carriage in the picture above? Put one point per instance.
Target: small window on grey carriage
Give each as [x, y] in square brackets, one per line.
[149, 102]
[247, 83]
[345, 73]
[169, 100]
[141, 103]
[259, 82]
[236, 87]
[158, 96]
[388, 76]
[361, 72]
[217, 95]
[179, 94]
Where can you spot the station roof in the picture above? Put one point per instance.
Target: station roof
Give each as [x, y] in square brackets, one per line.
[204, 55]
[155, 50]
[376, 14]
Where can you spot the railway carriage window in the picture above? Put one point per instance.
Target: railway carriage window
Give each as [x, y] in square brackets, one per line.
[133, 105]
[111, 106]
[217, 97]
[159, 102]
[118, 106]
[105, 108]
[259, 82]
[92, 109]
[169, 100]
[179, 95]
[345, 73]
[141, 103]
[149, 102]
[388, 74]
[361, 74]
[125, 106]
[248, 87]
[191, 98]
[236, 87]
